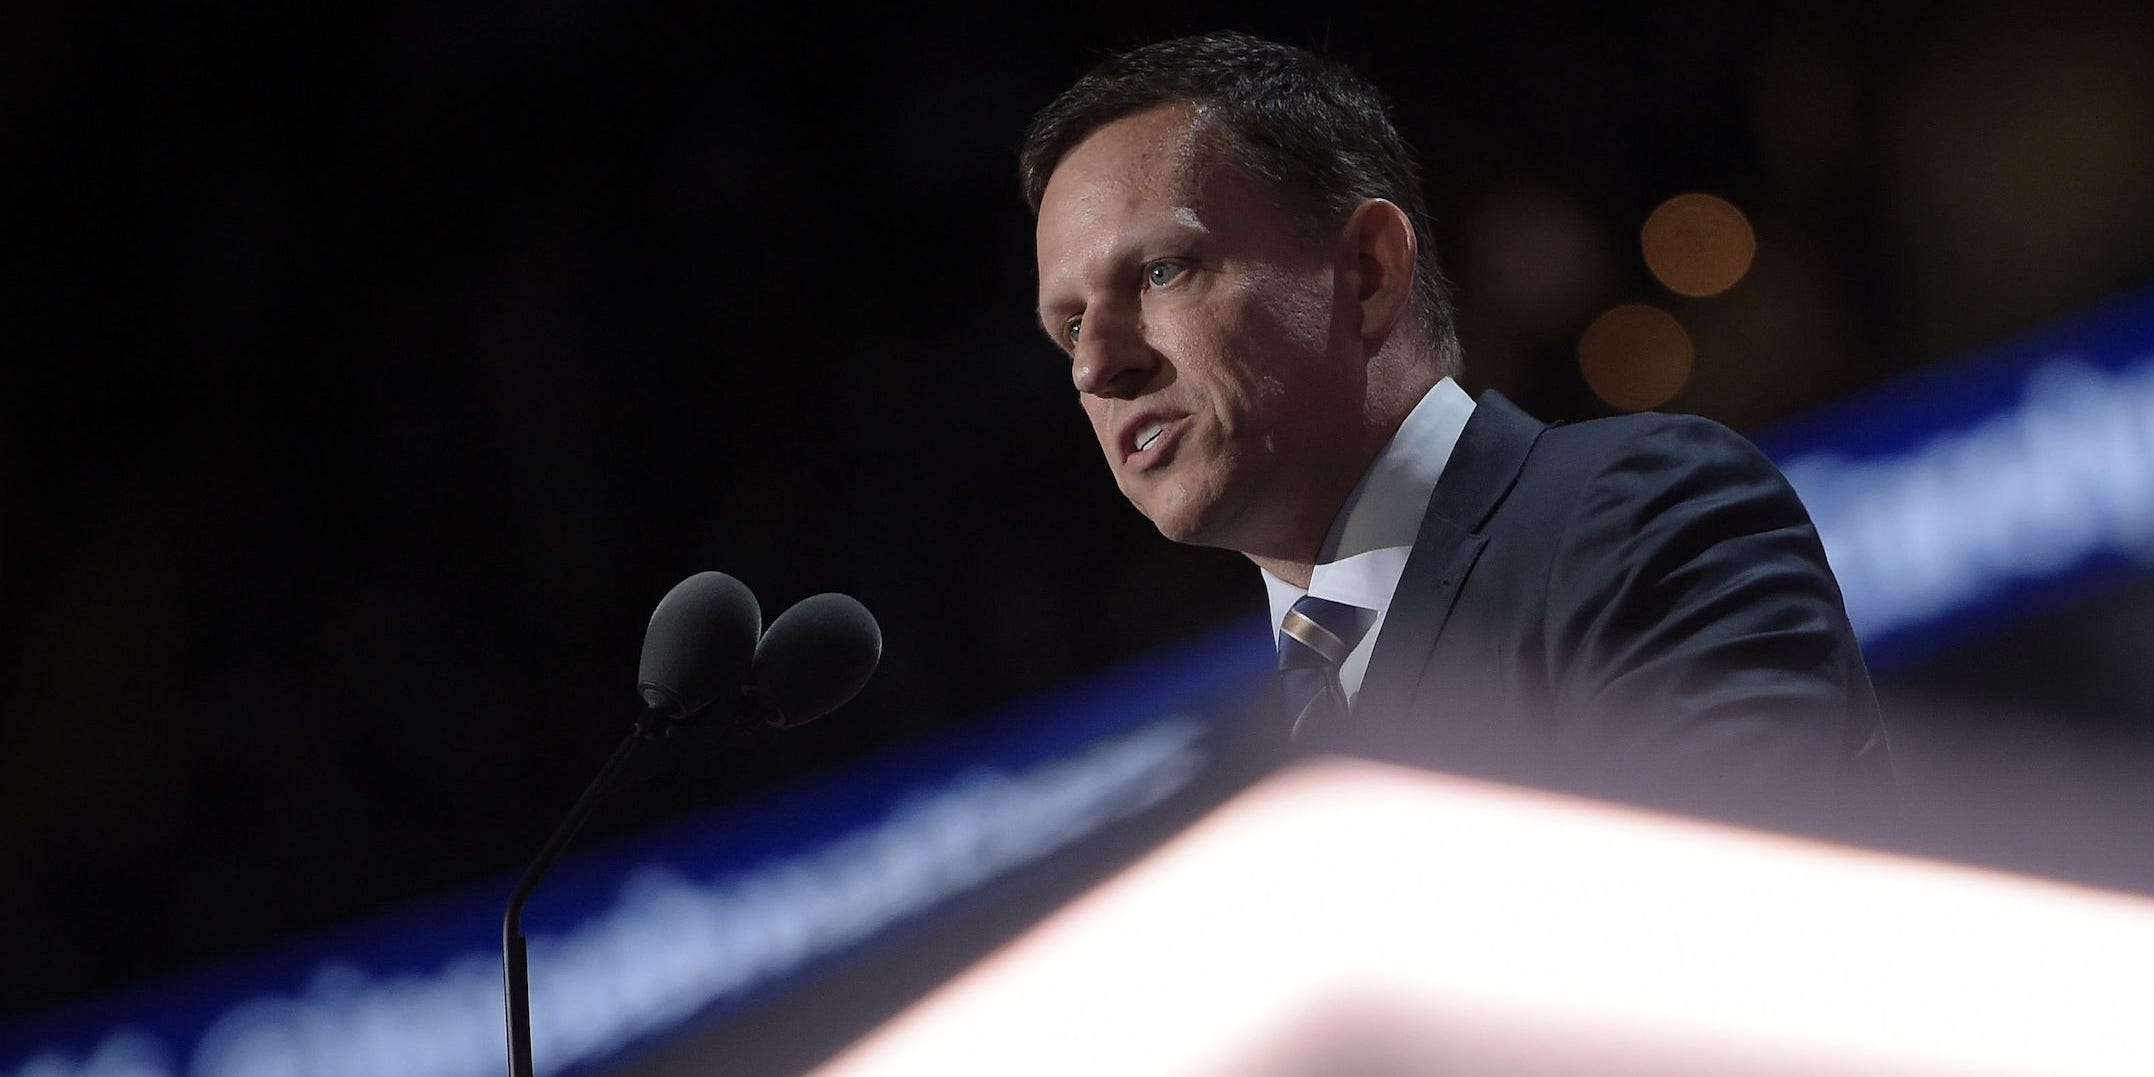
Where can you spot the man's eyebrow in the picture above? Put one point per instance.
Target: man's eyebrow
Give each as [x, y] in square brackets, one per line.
[1044, 313]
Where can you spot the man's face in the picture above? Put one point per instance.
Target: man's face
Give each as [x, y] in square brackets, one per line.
[1214, 354]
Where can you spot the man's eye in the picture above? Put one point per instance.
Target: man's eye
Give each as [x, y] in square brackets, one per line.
[1159, 273]
[1069, 331]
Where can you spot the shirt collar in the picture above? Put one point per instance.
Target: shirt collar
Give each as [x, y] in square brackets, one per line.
[1365, 554]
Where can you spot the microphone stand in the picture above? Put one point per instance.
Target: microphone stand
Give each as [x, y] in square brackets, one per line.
[652, 724]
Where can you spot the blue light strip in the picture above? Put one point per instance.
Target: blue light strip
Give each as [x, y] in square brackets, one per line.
[1968, 499]
[690, 921]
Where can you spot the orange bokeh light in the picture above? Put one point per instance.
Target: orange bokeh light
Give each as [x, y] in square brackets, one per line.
[1635, 356]
[1698, 245]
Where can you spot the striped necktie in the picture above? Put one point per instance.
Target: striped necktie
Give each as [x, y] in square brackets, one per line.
[1314, 640]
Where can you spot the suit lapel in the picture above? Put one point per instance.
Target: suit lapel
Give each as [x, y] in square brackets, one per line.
[1482, 469]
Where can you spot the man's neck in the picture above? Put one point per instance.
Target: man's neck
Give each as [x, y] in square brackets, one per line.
[1292, 571]
[1296, 562]
[1406, 376]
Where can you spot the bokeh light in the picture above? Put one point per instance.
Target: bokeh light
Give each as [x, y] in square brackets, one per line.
[1698, 245]
[1635, 356]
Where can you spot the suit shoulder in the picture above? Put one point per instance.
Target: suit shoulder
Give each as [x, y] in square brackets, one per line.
[1653, 439]
[1643, 426]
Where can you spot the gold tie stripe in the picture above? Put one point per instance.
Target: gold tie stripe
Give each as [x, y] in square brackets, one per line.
[1315, 637]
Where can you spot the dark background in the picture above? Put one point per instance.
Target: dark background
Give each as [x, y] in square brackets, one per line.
[370, 371]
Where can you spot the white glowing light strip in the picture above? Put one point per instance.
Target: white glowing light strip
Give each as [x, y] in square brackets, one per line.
[1441, 925]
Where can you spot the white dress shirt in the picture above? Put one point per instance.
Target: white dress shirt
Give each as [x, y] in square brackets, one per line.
[1365, 554]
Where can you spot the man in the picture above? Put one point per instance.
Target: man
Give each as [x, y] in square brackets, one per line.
[1234, 254]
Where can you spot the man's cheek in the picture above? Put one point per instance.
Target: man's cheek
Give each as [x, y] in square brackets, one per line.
[1104, 439]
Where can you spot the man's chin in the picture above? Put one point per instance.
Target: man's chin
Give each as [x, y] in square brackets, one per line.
[1191, 528]
[1191, 517]
[1213, 524]
[1179, 531]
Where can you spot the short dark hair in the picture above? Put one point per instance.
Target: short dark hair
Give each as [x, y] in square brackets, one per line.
[1308, 124]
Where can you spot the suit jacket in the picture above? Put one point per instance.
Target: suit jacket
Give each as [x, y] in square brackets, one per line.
[1637, 607]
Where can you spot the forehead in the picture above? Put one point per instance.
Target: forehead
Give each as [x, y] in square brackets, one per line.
[1136, 153]
[1138, 167]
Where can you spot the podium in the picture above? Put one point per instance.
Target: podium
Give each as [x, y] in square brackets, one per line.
[1347, 917]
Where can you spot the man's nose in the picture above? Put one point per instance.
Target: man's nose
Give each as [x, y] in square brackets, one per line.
[1113, 359]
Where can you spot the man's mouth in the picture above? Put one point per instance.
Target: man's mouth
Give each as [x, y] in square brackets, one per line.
[1149, 442]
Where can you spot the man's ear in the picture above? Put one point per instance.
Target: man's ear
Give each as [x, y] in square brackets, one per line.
[1380, 239]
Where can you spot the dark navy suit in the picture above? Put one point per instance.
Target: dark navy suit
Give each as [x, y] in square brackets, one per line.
[1637, 607]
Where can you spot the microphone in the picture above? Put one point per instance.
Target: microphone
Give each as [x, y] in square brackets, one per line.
[814, 659]
[699, 644]
[705, 644]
